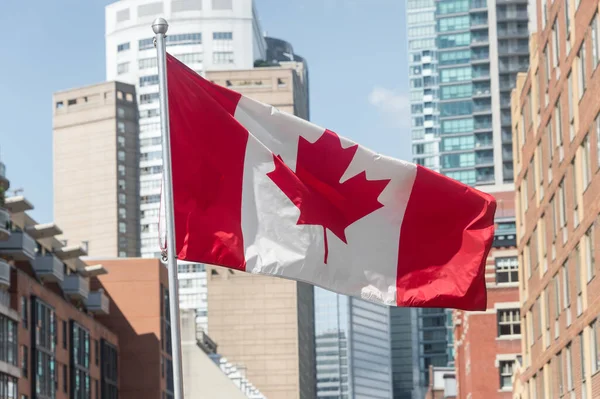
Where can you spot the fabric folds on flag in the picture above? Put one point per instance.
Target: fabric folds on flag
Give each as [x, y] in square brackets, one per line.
[262, 191]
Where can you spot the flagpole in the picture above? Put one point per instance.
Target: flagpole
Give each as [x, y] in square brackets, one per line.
[160, 27]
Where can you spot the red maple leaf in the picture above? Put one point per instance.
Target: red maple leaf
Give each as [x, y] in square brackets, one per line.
[316, 190]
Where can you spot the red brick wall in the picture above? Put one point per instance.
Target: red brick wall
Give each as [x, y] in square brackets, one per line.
[133, 286]
[22, 285]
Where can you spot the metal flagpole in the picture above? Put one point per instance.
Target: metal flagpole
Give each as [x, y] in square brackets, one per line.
[160, 27]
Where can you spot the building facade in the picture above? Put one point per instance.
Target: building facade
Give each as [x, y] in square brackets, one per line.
[481, 46]
[353, 348]
[423, 82]
[556, 133]
[52, 344]
[265, 326]
[488, 343]
[193, 292]
[96, 167]
[206, 35]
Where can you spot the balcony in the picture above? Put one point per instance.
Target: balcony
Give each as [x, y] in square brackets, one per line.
[512, 67]
[4, 183]
[49, 268]
[76, 286]
[513, 33]
[70, 252]
[479, 41]
[513, 50]
[484, 161]
[512, 15]
[19, 246]
[483, 126]
[97, 302]
[477, 5]
[4, 275]
[4, 224]
[41, 231]
[506, 136]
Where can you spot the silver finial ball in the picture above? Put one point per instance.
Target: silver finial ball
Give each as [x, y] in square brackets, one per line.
[160, 25]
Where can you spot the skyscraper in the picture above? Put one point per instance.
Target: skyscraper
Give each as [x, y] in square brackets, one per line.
[352, 346]
[423, 77]
[95, 168]
[481, 47]
[205, 35]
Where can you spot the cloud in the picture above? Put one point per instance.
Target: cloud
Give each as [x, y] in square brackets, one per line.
[392, 103]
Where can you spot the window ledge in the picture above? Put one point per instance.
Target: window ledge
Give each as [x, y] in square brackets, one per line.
[506, 389]
[508, 337]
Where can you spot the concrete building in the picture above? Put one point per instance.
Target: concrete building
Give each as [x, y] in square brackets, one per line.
[53, 345]
[488, 343]
[96, 168]
[423, 82]
[265, 325]
[353, 350]
[206, 374]
[193, 292]
[556, 134]
[204, 34]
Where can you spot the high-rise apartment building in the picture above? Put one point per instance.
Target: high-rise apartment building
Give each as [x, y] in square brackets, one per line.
[423, 79]
[353, 350]
[488, 343]
[206, 35]
[556, 134]
[481, 45]
[95, 168]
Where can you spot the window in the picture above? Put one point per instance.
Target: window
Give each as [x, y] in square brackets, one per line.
[464, 125]
[121, 127]
[96, 352]
[122, 199]
[146, 44]
[457, 91]
[65, 334]
[223, 57]
[121, 184]
[595, 345]
[569, 368]
[589, 253]
[149, 113]
[582, 77]
[555, 45]
[222, 36]
[566, 293]
[184, 39]
[121, 156]
[595, 42]
[24, 312]
[189, 58]
[507, 270]
[149, 98]
[25, 361]
[575, 193]
[561, 374]
[123, 67]
[454, 40]
[582, 356]
[122, 227]
[509, 322]
[454, 23]
[43, 349]
[146, 63]
[578, 285]
[558, 128]
[453, 7]
[65, 379]
[148, 80]
[80, 362]
[556, 280]
[562, 209]
[571, 110]
[9, 341]
[122, 47]
[586, 162]
[122, 213]
[120, 112]
[456, 74]
[506, 372]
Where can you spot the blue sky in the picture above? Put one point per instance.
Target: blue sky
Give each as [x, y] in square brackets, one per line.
[356, 52]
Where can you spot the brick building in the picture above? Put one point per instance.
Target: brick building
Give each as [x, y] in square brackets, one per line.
[488, 343]
[51, 344]
[139, 314]
[556, 140]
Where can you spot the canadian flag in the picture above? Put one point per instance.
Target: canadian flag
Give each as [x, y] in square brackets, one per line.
[262, 191]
